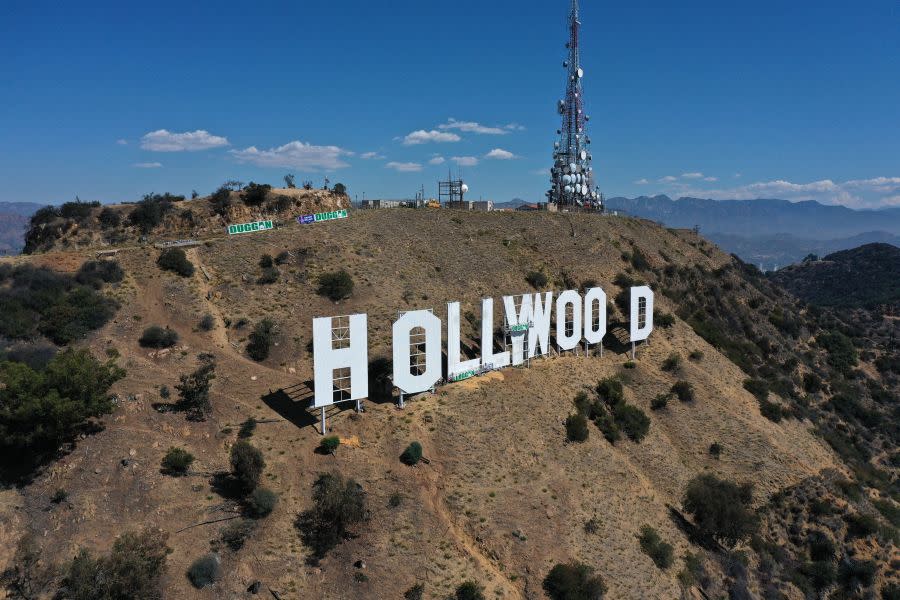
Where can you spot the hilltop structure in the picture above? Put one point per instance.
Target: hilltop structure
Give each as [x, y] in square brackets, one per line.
[572, 176]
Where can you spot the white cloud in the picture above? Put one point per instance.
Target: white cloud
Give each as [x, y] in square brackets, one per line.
[514, 127]
[122, 142]
[544, 172]
[668, 179]
[422, 137]
[437, 160]
[295, 155]
[465, 161]
[710, 178]
[500, 154]
[692, 175]
[876, 192]
[641, 182]
[404, 167]
[473, 127]
[371, 156]
[147, 165]
[189, 141]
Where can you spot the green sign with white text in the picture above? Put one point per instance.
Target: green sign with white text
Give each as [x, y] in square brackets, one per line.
[249, 227]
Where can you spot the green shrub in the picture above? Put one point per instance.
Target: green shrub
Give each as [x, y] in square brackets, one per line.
[254, 194]
[860, 525]
[261, 339]
[608, 428]
[715, 450]
[266, 261]
[841, 353]
[630, 364]
[157, 337]
[97, 272]
[536, 279]
[247, 465]
[469, 590]
[236, 533]
[193, 390]
[133, 569]
[632, 420]
[59, 496]
[150, 211]
[684, 391]
[261, 502]
[205, 571]
[853, 573]
[283, 258]
[821, 548]
[109, 218]
[221, 201]
[672, 362]
[660, 401]
[340, 189]
[40, 410]
[721, 509]
[329, 444]
[207, 322]
[338, 504]
[335, 286]
[664, 320]
[412, 454]
[610, 390]
[175, 260]
[812, 383]
[574, 581]
[416, 592]
[696, 355]
[660, 552]
[771, 410]
[576, 428]
[758, 387]
[177, 461]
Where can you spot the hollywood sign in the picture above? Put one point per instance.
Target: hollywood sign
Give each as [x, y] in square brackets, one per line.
[340, 351]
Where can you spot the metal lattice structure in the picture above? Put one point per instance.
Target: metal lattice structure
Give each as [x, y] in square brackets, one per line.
[572, 176]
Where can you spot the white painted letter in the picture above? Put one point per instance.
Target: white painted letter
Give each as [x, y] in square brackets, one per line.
[403, 378]
[641, 313]
[488, 358]
[454, 365]
[540, 316]
[327, 358]
[568, 341]
[594, 296]
[522, 318]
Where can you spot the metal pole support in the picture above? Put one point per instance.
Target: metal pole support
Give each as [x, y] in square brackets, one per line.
[323, 420]
[632, 350]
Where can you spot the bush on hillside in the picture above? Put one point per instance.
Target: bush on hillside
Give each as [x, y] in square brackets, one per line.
[109, 218]
[660, 552]
[133, 569]
[329, 444]
[254, 194]
[841, 353]
[664, 320]
[247, 465]
[536, 279]
[193, 390]
[610, 390]
[177, 461]
[720, 509]
[574, 581]
[207, 322]
[758, 387]
[175, 260]
[235, 534]
[632, 420]
[608, 427]
[269, 275]
[40, 301]
[659, 402]
[266, 261]
[261, 502]
[469, 590]
[261, 339]
[340, 189]
[97, 272]
[151, 210]
[42, 409]
[672, 362]
[335, 286]
[576, 428]
[157, 337]
[205, 571]
[412, 454]
[220, 200]
[77, 210]
[684, 391]
[337, 505]
[416, 592]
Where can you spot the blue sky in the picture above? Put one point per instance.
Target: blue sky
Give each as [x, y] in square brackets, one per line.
[716, 99]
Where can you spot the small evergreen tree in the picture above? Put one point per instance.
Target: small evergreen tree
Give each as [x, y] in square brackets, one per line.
[247, 465]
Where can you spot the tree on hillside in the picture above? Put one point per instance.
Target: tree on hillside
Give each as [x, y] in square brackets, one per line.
[338, 504]
[255, 193]
[193, 390]
[340, 189]
[335, 286]
[289, 181]
[574, 581]
[247, 465]
[720, 509]
[261, 339]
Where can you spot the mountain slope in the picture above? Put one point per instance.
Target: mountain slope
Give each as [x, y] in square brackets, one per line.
[862, 277]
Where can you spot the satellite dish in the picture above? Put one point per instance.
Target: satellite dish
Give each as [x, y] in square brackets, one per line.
[568, 189]
[572, 167]
[464, 188]
[580, 72]
[556, 144]
[565, 64]
[583, 155]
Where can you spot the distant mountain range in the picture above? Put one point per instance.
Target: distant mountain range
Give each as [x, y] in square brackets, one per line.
[14, 218]
[769, 232]
[862, 277]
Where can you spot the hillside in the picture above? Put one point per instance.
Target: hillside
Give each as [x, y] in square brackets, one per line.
[503, 497]
[863, 277]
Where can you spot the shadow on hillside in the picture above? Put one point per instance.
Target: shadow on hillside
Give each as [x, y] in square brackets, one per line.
[616, 338]
[18, 469]
[293, 403]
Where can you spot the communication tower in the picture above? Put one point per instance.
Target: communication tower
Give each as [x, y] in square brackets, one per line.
[572, 176]
[452, 191]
